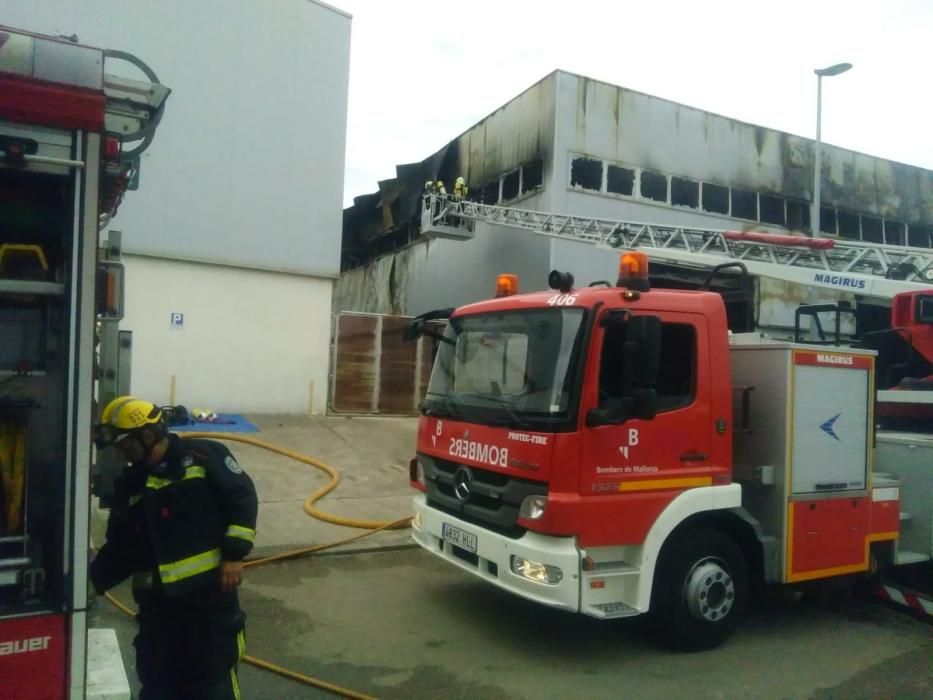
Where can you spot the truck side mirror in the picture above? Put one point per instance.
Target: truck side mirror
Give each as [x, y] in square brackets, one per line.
[418, 326]
[414, 329]
[640, 403]
[925, 309]
[644, 404]
[643, 350]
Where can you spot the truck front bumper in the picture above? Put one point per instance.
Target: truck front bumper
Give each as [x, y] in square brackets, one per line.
[495, 554]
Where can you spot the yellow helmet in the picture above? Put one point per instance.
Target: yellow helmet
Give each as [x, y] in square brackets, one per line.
[124, 415]
[460, 181]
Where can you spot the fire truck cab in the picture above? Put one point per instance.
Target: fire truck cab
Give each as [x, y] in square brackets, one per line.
[616, 451]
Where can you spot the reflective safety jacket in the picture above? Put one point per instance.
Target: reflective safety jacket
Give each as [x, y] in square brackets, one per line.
[179, 520]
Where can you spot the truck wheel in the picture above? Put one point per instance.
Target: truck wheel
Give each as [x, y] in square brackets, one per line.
[700, 591]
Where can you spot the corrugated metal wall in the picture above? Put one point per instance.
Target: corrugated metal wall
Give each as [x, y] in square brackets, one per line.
[374, 370]
[628, 127]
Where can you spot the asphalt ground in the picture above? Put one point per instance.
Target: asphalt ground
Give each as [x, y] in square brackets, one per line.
[402, 624]
[391, 621]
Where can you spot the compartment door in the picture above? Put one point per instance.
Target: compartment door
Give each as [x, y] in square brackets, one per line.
[831, 423]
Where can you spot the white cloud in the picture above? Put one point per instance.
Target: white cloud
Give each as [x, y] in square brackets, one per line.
[423, 72]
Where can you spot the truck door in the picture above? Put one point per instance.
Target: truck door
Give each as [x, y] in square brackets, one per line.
[647, 462]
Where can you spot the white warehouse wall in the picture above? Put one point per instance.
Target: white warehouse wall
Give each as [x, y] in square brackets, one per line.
[246, 173]
[251, 341]
[247, 165]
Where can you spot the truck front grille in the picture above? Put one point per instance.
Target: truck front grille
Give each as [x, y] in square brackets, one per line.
[494, 498]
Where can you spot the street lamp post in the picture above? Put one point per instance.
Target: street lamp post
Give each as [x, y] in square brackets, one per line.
[817, 165]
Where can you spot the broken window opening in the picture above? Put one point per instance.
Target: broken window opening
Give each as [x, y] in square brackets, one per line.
[685, 193]
[872, 230]
[586, 173]
[894, 233]
[848, 225]
[771, 209]
[920, 236]
[798, 215]
[715, 198]
[827, 220]
[511, 185]
[490, 193]
[620, 180]
[532, 176]
[744, 204]
[653, 186]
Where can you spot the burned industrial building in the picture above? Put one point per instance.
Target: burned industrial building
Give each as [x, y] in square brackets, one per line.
[577, 146]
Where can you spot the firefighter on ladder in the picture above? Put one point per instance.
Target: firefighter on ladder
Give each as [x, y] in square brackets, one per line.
[183, 519]
[432, 187]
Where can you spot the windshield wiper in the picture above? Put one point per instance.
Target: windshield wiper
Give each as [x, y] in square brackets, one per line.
[448, 408]
[514, 418]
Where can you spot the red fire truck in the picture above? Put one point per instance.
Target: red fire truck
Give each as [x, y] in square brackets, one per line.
[616, 451]
[70, 140]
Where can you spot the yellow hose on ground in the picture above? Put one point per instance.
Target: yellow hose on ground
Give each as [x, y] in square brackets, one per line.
[373, 526]
[316, 495]
[269, 666]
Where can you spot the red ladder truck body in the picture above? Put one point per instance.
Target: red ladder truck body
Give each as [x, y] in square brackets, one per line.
[66, 160]
[616, 451]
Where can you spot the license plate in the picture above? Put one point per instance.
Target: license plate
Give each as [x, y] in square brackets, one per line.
[456, 536]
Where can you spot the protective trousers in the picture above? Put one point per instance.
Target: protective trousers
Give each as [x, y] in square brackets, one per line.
[189, 648]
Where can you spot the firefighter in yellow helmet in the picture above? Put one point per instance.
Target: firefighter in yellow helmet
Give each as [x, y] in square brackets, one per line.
[183, 519]
[460, 189]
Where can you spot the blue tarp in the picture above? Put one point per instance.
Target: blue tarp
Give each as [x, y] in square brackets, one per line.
[225, 423]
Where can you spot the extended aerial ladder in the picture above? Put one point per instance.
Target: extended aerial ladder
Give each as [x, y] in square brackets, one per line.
[867, 269]
[871, 271]
[897, 277]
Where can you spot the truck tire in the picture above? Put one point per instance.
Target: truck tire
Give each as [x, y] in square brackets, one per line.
[700, 591]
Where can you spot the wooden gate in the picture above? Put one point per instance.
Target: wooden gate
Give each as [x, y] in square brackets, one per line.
[373, 371]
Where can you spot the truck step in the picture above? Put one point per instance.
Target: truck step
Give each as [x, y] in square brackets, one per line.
[904, 557]
[602, 568]
[906, 517]
[609, 611]
[106, 674]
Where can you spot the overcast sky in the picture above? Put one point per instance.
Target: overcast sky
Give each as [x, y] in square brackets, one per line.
[423, 72]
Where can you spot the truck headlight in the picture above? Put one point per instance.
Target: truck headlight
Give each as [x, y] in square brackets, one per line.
[536, 571]
[532, 507]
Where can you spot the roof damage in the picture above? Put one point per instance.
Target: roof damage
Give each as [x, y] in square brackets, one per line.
[570, 135]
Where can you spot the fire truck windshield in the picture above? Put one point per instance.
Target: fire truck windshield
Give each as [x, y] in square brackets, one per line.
[508, 368]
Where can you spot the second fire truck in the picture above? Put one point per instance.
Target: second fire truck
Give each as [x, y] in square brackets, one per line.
[616, 451]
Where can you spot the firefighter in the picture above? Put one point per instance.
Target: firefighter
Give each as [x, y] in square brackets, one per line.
[183, 519]
[460, 189]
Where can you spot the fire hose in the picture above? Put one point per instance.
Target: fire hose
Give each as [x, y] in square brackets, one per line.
[373, 526]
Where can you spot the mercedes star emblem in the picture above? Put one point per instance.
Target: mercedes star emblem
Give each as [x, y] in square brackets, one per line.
[462, 480]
